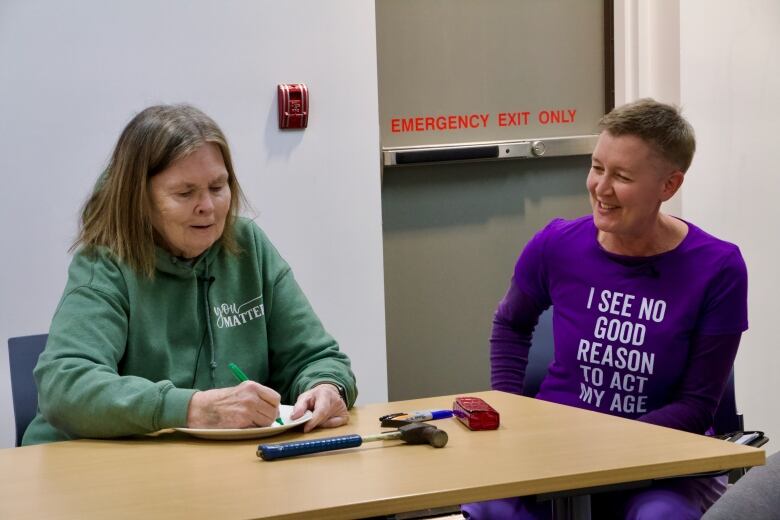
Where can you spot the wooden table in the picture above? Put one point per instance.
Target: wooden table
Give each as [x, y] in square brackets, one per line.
[539, 448]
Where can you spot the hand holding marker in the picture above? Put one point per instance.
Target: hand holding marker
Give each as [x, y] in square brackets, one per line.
[241, 376]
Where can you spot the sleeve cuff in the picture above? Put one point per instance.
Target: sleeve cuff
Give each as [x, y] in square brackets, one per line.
[175, 405]
[341, 388]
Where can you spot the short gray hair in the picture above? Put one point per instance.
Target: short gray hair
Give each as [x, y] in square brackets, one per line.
[660, 125]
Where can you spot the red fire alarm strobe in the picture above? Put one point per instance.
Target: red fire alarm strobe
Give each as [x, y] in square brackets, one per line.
[293, 105]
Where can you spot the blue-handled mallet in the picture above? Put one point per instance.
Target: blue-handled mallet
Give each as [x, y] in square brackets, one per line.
[413, 433]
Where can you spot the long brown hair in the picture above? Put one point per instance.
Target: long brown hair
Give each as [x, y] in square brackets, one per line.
[117, 215]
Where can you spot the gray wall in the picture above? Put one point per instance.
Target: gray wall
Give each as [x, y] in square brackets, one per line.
[452, 234]
[453, 57]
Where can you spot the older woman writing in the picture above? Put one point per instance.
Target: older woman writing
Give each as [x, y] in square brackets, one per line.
[167, 287]
[648, 309]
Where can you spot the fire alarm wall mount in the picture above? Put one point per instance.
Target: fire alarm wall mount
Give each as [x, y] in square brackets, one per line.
[293, 105]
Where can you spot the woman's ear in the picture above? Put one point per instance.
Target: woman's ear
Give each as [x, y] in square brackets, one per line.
[672, 183]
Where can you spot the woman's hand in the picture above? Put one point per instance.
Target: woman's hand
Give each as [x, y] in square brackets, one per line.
[327, 407]
[249, 404]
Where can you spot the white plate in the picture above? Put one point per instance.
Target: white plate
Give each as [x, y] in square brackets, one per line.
[250, 433]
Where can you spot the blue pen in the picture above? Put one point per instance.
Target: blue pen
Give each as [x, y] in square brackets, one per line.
[426, 415]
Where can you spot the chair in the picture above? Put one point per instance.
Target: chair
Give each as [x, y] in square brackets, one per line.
[23, 354]
[754, 496]
[727, 419]
[541, 355]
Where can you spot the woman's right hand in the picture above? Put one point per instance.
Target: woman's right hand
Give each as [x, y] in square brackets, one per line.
[246, 405]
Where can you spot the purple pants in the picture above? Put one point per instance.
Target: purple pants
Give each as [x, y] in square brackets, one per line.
[678, 499]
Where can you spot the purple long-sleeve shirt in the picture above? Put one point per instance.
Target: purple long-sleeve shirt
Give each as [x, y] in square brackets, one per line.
[647, 338]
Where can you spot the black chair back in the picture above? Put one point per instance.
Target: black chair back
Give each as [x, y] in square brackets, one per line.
[23, 354]
[541, 354]
[727, 419]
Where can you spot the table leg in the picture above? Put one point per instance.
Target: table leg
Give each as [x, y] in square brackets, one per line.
[571, 508]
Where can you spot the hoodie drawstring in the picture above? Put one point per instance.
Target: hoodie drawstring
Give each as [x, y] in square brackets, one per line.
[207, 285]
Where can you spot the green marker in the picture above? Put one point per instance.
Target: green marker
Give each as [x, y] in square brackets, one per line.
[241, 376]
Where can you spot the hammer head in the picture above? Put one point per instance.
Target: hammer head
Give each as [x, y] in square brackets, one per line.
[421, 433]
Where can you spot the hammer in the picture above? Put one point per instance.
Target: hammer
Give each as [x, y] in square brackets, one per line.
[412, 433]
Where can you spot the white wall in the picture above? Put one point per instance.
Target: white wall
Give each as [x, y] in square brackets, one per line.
[730, 87]
[719, 62]
[72, 75]
[647, 57]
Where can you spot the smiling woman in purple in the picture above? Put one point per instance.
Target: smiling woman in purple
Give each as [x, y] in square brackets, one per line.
[648, 309]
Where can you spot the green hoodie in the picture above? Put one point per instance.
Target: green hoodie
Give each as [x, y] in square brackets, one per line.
[126, 352]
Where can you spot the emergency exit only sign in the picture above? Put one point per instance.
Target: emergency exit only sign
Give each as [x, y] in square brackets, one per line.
[459, 72]
[450, 122]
